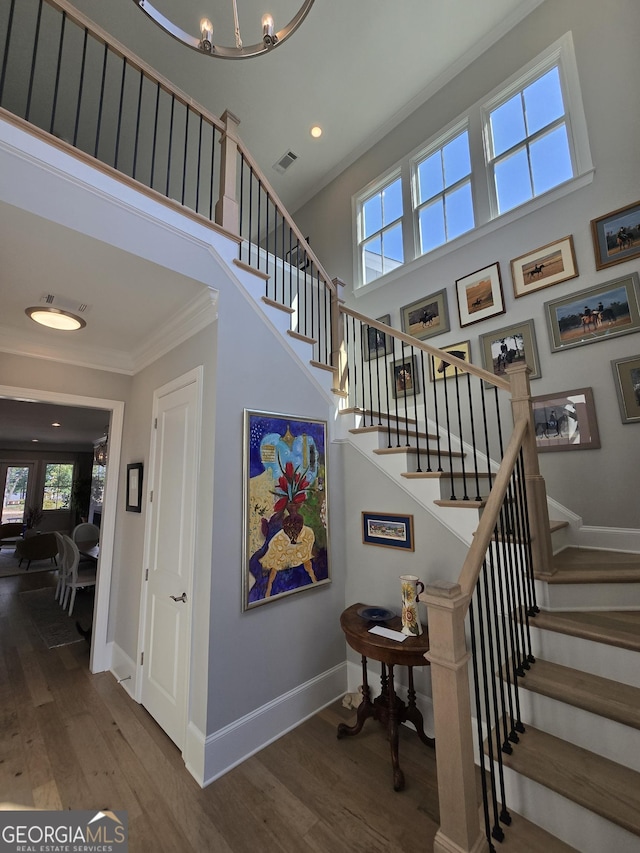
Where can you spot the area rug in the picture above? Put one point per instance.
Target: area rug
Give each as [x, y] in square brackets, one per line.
[54, 624]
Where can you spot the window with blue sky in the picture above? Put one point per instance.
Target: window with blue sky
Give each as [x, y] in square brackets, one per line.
[534, 146]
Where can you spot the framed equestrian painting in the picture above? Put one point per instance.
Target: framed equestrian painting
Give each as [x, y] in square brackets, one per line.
[566, 421]
[616, 236]
[480, 295]
[626, 372]
[426, 317]
[404, 378]
[441, 369]
[510, 345]
[602, 312]
[543, 267]
[285, 507]
[374, 342]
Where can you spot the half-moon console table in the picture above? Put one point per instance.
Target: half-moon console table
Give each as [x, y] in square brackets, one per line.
[387, 708]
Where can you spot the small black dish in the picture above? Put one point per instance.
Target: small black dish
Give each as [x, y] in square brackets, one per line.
[376, 614]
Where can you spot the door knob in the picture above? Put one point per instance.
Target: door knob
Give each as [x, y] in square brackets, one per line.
[182, 597]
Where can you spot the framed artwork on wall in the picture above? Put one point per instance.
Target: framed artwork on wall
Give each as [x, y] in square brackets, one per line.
[616, 236]
[626, 372]
[374, 342]
[543, 267]
[510, 345]
[404, 378]
[566, 421]
[389, 531]
[285, 506]
[439, 368]
[426, 317]
[480, 295]
[601, 312]
[134, 487]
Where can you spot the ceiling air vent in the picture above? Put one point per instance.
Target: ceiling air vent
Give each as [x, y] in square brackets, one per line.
[64, 303]
[285, 161]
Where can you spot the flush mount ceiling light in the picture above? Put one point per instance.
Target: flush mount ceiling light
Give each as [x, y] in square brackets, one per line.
[316, 131]
[55, 318]
[204, 44]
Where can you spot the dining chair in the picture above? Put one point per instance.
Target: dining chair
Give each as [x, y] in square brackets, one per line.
[86, 532]
[76, 578]
[62, 567]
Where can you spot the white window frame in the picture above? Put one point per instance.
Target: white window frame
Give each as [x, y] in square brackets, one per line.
[487, 218]
[561, 56]
[360, 200]
[436, 144]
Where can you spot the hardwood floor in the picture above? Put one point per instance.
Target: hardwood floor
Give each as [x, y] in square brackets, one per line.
[69, 739]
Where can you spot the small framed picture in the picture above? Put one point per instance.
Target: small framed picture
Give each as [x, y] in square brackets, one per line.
[374, 342]
[480, 295]
[616, 236]
[441, 369]
[510, 345]
[566, 421]
[602, 312]
[426, 317]
[543, 267]
[405, 381]
[390, 531]
[134, 487]
[626, 372]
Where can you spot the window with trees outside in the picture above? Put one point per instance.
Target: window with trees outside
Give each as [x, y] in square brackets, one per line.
[58, 479]
[524, 144]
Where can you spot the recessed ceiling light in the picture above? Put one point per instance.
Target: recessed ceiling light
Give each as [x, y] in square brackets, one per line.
[56, 318]
[56, 424]
[316, 131]
[35, 439]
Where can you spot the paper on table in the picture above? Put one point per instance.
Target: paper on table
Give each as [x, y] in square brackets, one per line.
[388, 633]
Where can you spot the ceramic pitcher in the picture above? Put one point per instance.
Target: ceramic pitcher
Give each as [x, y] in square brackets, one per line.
[411, 589]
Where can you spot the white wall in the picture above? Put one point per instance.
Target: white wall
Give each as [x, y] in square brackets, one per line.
[595, 484]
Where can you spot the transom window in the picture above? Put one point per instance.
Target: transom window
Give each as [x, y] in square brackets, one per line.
[526, 139]
[380, 227]
[528, 142]
[444, 204]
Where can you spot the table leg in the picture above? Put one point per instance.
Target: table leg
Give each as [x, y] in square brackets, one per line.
[398, 775]
[413, 714]
[365, 708]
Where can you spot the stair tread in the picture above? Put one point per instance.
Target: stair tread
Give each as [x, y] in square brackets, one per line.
[522, 836]
[370, 413]
[600, 785]
[381, 451]
[434, 475]
[385, 429]
[461, 503]
[602, 696]
[589, 565]
[613, 627]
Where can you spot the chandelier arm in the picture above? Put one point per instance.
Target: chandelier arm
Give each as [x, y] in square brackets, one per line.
[222, 51]
[236, 25]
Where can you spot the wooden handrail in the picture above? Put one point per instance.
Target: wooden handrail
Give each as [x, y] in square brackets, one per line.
[463, 366]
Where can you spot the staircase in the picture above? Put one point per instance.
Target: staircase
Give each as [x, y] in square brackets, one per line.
[573, 780]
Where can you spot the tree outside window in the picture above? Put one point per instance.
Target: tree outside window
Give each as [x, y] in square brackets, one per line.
[58, 479]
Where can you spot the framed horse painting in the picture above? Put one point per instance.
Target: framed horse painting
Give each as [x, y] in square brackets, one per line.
[543, 267]
[566, 421]
[616, 236]
[598, 313]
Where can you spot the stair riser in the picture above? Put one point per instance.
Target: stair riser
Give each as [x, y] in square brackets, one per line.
[597, 658]
[588, 596]
[573, 824]
[605, 737]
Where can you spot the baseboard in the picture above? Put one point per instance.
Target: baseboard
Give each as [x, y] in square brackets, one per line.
[236, 742]
[424, 703]
[123, 669]
[194, 753]
[625, 539]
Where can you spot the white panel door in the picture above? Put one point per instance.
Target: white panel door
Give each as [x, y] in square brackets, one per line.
[165, 678]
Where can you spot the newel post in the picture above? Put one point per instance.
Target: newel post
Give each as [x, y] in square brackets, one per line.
[542, 552]
[227, 208]
[338, 348]
[460, 830]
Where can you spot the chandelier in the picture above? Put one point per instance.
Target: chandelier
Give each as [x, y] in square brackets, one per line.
[204, 44]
